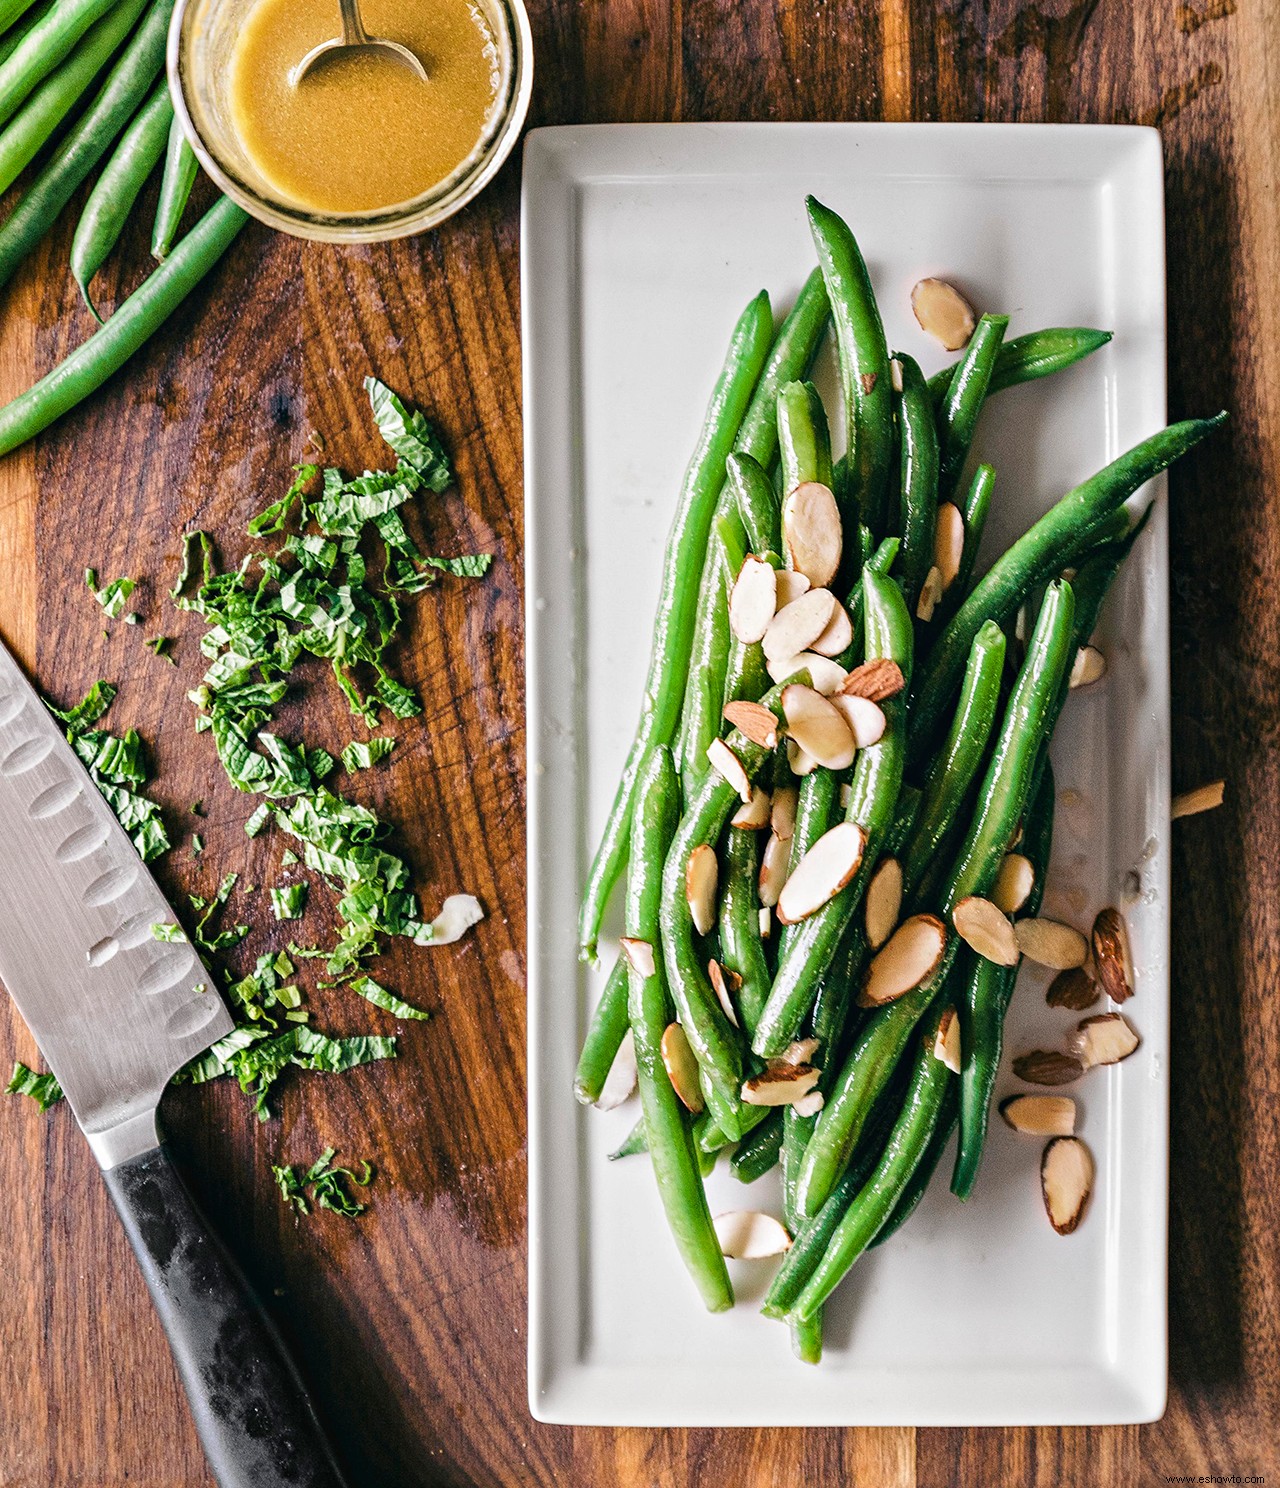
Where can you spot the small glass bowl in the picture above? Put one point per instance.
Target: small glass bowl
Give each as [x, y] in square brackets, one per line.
[201, 37]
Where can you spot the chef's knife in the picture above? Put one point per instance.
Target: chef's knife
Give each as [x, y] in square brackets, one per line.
[116, 1013]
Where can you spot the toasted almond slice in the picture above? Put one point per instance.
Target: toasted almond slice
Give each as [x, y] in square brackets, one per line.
[1047, 1067]
[1105, 1039]
[984, 929]
[720, 982]
[1112, 956]
[1066, 1181]
[846, 794]
[943, 312]
[1040, 1115]
[910, 955]
[783, 816]
[946, 1042]
[864, 719]
[1074, 989]
[639, 953]
[727, 765]
[1051, 943]
[795, 628]
[877, 679]
[823, 871]
[682, 1067]
[884, 902]
[827, 676]
[801, 1051]
[749, 1235]
[930, 594]
[753, 599]
[765, 920]
[895, 374]
[809, 1105]
[791, 585]
[620, 1082]
[811, 531]
[773, 869]
[780, 1085]
[948, 543]
[754, 721]
[838, 635]
[1203, 798]
[457, 915]
[1089, 666]
[800, 762]
[1014, 882]
[818, 727]
[755, 814]
[701, 873]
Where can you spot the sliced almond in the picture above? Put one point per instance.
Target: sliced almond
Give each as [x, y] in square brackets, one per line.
[877, 679]
[800, 1051]
[720, 981]
[753, 600]
[701, 874]
[930, 594]
[639, 954]
[1040, 1115]
[755, 814]
[765, 920]
[681, 1065]
[1112, 956]
[838, 635]
[1105, 1039]
[1089, 666]
[1074, 989]
[773, 869]
[827, 676]
[799, 624]
[809, 1105]
[754, 721]
[749, 1235]
[783, 816]
[620, 1083]
[1014, 882]
[780, 1085]
[946, 1042]
[986, 930]
[791, 585]
[1051, 943]
[728, 766]
[910, 956]
[1066, 1181]
[1203, 798]
[943, 312]
[846, 794]
[948, 543]
[811, 532]
[823, 871]
[818, 727]
[1047, 1067]
[799, 761]
[884, 902]
[865, 719]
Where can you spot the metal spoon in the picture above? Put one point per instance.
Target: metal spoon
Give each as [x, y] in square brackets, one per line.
[354, 35]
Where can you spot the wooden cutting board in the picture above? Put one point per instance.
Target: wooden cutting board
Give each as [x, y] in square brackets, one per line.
[411, 1321]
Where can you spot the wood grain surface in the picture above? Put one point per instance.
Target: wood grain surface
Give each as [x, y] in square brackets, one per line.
[411, 1321]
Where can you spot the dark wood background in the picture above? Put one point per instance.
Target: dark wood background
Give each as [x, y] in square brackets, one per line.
[411, 1322]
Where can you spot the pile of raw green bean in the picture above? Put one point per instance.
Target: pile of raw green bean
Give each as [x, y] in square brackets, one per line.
[843, 737]
[101, 64]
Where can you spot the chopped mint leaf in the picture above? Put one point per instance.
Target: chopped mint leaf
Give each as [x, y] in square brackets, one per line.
[289, 902]
[88, 711]
[197, 844]
[160, 645]
[327, 1184]
[409, 435]
[133, 618]
[113, 596]
[380, 997]
[43, 1089]
[258, 819]
[168, 933]
[363, 754]
[288, 858]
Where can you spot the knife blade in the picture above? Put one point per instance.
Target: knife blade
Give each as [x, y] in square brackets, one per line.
[116, 1013]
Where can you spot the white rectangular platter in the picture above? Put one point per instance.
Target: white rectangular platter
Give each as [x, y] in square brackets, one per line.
[640, 246]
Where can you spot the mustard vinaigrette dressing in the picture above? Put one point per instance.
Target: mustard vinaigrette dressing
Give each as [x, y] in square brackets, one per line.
[361, 132]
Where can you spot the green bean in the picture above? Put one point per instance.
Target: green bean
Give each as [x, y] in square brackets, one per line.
[880, 561]
[180, 170]
[877, 778]
[864, 364]
[138, 318]
[740, 924]
[804, 441]
[919, 1181]
[20, 19]
[963, 400]
[704, 692]
[758, 1151]
[44, 47]
[677, 601]
[607, 1029]
[117, 188]
[1049, 544]
[918, 484]
[973, 510]
[670, 1138]
[635, 1141]
[757, 503]
[127, 84]
[816, 801]
[1025, 358]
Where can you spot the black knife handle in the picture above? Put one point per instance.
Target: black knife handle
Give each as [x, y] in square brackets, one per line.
[255, 1419]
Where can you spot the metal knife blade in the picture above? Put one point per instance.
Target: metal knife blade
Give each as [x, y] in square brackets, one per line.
[116, 1012]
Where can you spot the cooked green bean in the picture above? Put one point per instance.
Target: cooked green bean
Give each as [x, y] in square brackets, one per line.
[607, 1029]
[910, 1197]
[20, 20]
[758, 1151]
[44, 47]
[804, 441]
[704, 692]
[740, 939]
[635, 1141]
[918, 480]
[757, 503]
[973, 509]
[1026, 358]
[962, 402]
[180, 170]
